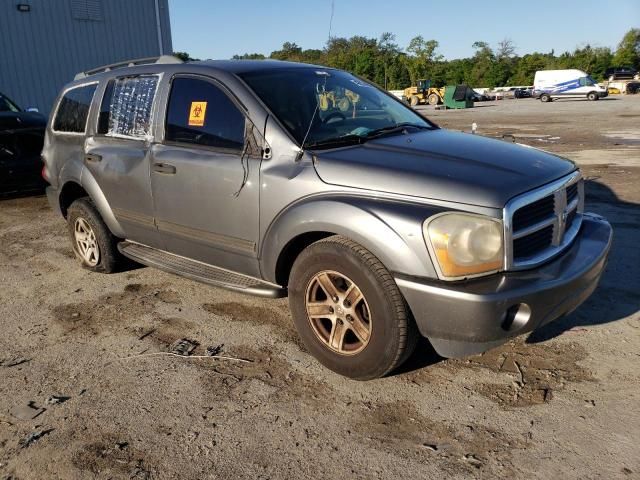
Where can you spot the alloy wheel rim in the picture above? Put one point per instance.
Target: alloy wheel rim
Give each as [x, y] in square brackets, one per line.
[338, 312]
[86, 242]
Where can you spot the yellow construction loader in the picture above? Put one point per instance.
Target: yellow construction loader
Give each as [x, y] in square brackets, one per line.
[423, 92]
[344, 100]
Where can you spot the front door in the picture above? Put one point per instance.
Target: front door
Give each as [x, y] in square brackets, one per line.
[205, 177]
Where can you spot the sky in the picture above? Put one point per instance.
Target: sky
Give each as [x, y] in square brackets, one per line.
[221, 28]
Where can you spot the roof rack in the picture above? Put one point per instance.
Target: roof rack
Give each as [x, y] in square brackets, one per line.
[129, 63]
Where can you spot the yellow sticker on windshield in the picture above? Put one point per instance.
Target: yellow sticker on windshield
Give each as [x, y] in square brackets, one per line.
[197, 114]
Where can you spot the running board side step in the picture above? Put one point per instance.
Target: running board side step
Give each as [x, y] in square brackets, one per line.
[201, 272]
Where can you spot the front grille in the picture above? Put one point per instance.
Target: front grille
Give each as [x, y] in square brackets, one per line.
[543, 222]
[572, 193]
[533, 244]
[533, 213]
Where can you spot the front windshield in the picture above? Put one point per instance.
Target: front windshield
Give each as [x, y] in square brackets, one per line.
[7, 105]
[342, 106]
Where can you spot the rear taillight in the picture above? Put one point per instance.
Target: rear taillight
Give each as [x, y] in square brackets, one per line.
[44, 174]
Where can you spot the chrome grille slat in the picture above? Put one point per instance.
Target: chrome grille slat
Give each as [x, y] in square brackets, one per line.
[540, 224]
[533, 228]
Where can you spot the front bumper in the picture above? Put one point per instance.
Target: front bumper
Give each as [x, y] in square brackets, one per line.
[470, 317]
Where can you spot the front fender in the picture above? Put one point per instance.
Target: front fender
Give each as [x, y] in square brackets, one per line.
[391, 230]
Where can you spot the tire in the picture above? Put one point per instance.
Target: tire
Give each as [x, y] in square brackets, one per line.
[544, 98]
[434, 99]
[380, 314]
[414, 100]
[593, 96]
[99, 251]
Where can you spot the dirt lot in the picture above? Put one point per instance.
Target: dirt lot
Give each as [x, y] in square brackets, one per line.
[563, 402]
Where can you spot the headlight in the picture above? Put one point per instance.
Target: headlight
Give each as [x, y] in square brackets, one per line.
[464, 244]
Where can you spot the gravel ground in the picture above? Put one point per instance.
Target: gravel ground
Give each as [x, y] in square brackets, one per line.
[81, 396]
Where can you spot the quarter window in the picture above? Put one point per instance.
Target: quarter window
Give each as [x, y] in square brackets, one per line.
[201, 113]
[73, 109]
[126, 106]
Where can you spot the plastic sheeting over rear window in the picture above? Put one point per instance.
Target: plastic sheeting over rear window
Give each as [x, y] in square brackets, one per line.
[127, 105]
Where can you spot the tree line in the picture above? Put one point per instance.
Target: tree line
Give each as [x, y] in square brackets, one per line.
[384, 62]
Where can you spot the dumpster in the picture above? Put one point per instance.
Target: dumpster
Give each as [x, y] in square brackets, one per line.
[457, 96]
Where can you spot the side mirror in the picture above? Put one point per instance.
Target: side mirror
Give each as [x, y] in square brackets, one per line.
[33, 110]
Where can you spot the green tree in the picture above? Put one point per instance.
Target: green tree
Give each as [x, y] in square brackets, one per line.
[249, 56]
[290, 51]
[185, 57]
[421, 56]
[628, 52]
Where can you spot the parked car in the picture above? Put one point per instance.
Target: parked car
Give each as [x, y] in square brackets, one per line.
[379, 225]
[621, 73]
[21, 140]
[479, 97]
[570, 83]
[523, 92]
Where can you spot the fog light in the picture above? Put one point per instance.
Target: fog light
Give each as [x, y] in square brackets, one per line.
[516, 317]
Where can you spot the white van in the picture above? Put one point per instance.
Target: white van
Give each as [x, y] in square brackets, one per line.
[572, 83]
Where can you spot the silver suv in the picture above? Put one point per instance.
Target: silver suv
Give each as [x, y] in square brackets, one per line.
[276, 178]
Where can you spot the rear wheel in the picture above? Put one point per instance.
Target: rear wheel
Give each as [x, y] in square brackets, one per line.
[545, 98]
[349, 311]
[434, 99]
[593, 96]
[414, 100]
[95, 247]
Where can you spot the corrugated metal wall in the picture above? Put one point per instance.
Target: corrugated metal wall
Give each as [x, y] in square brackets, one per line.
[42, 49]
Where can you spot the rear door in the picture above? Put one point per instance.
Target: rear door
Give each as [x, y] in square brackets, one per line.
[117, 154]
[205, 176]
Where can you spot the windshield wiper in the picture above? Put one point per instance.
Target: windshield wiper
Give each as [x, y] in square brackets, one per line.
[398, 128]
[349, 139]
[353, 139]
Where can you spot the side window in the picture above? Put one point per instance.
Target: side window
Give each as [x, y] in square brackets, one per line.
[73, 110]
[126, 106]
[201, 113]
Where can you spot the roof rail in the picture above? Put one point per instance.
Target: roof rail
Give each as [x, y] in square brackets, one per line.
[129, 63]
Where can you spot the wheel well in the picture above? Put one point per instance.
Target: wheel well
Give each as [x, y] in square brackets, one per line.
[71, 191]
[291, 251]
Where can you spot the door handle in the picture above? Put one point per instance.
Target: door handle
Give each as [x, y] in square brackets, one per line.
[92, 157]
[164, 168]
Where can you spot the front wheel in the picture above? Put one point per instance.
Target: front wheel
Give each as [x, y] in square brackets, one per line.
[593, 96]
[434, 99]
[544, 98]
[349, 311]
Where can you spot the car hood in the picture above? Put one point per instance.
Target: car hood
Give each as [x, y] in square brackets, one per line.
[444, 165]
[20, 120]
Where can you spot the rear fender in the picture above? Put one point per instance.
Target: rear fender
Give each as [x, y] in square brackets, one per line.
[89, 183]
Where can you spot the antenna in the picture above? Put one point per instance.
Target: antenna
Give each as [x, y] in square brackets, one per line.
[331, 20]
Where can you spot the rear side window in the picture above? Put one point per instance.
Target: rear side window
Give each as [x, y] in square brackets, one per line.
[200, 113]
[126, 106]
[73, 109]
